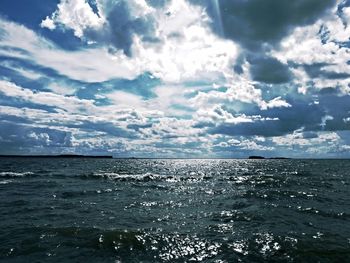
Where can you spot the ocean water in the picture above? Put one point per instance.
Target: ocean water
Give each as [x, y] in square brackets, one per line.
[109, 210]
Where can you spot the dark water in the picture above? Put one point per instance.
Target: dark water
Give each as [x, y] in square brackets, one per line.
[103, 210]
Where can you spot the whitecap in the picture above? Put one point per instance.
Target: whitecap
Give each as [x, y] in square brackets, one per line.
[5, 181]
[132, 177]
[15, 174]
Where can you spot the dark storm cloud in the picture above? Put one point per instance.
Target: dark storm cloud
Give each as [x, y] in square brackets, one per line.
[329, 114]
[309, 135]
[262, 128]
[123, 26]
[317, 71]
[338, 107]
[254, 22]
[289, 121]
[300, 115]
[268, 70]
[105, 127]
[21, 133]
[15, 137]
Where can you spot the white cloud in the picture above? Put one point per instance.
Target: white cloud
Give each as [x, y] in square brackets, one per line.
[217, 115]
[48, 23]
[70, 104]
[76, 15]
[240, 90]
[325, 119]
[306, 46]
[61, 88]
[252, 145]
[196, 54]
[187, 48]
[41, 137]
[186, 53]
[234, 141]
[297, 139]
[345, 147]
[29, 74]
[276, 103]
[173, 127]
[70, 111]
[163, 104]
[245, 144]
[139, 8]
[89, 65]
[122, 99]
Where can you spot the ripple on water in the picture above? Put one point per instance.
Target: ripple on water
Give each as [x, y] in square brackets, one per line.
[175, 211]
[148, 177]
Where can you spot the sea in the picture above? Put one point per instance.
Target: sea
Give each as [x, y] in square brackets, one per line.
[174, 210]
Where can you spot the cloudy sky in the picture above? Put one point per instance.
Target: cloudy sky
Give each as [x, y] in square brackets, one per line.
[175, 78]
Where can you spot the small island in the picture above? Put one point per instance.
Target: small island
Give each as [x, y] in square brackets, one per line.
[257, 157]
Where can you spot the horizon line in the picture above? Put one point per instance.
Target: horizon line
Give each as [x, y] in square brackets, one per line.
[169, 158]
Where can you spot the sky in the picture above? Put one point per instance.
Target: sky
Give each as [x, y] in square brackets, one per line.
[175, 78]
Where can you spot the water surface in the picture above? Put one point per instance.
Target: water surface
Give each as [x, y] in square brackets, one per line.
[109, 210]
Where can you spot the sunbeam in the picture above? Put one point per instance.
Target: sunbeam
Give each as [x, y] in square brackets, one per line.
[216, 6]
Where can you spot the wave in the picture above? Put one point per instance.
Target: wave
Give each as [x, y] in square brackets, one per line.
[146, 177]
[132, 177]
[5, 181]
[15, 174]
[330, 213]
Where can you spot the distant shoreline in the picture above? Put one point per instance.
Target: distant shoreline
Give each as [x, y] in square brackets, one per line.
[257, 157]
[60, 156]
